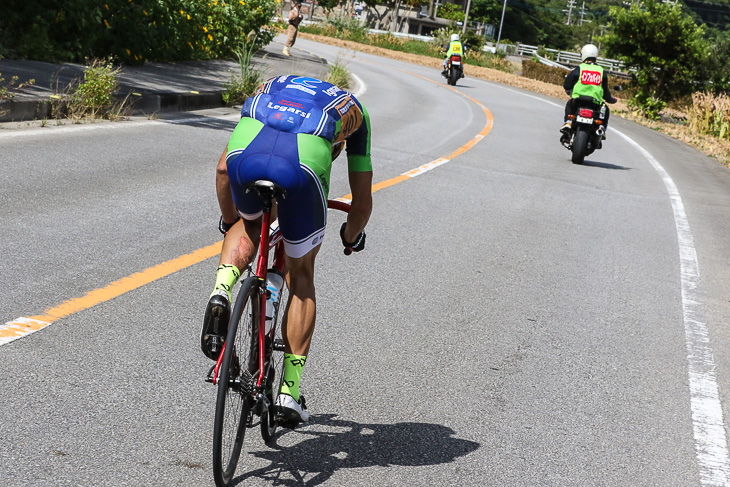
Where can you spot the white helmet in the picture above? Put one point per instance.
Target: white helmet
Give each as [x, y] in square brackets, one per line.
[588, 51]
[454, 37]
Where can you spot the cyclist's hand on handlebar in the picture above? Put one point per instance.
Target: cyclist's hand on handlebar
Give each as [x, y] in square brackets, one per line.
[224, 227]
[355, 246]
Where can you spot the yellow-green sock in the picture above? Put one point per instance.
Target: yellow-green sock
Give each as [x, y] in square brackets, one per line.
[293, 365]
[226, 278]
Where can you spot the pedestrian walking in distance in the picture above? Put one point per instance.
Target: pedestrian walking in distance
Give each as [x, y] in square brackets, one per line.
[295, 17]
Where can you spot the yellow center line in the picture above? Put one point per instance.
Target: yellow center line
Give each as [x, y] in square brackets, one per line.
[23, 326]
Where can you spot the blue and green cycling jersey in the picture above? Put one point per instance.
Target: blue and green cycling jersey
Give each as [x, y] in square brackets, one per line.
[302, 105]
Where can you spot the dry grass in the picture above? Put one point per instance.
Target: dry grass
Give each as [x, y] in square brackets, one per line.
[711, 146]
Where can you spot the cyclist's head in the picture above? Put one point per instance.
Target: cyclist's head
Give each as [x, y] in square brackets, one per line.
[454, 37]
[589, 51]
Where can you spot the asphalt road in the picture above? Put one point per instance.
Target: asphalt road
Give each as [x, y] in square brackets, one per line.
[515, 320]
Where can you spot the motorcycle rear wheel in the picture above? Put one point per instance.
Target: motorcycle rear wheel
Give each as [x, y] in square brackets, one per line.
[580, 142]
[453, 76]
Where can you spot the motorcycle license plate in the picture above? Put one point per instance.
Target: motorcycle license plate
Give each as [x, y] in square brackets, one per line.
[456, 63]
[584, 119]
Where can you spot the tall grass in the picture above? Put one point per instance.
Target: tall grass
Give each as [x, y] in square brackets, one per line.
[240, 87]
[710, 115]
[338, 74]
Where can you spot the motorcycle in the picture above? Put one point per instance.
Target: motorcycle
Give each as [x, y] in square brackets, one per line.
[586, 132]
[454, 69]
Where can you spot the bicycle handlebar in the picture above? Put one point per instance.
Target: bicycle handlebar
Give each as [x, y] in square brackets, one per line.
[338, 205]
[342, 206]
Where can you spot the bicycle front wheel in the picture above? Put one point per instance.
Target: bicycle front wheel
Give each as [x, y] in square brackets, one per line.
[233, 409]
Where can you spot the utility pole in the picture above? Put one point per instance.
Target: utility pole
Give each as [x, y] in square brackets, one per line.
[583, 13]
[571, 4]
[603, 28]
[466, 16]
[499, 36]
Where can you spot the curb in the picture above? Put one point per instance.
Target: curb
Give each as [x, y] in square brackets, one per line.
[25, 110]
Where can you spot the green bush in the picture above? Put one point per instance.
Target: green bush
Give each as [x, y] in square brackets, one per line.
[94, 96]
[647, 103]
[133, 31]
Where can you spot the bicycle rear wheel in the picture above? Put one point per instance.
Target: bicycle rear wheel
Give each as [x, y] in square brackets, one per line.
[233, 409]
[275, 371]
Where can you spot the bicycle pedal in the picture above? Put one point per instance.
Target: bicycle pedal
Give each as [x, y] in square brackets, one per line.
[279, 345]
[285, 423]
[211, 375]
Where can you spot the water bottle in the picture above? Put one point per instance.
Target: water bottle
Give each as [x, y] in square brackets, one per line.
[274, 284]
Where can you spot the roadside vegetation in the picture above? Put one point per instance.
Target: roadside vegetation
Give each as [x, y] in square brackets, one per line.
[132, 31]
[352, 30]
[338, 74]
[242, 85]
[93, 97]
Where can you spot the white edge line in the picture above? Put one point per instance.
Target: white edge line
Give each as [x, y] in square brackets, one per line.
[14, 133]
[707, 416]
[708, 424]
[363, 87]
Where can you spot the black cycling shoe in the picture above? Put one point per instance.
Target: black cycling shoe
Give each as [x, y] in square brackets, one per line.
[215, 325]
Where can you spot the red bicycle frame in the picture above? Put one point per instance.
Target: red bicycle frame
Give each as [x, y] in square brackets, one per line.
[268, 241]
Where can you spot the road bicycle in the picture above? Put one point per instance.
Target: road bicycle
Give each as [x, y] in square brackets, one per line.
[252, 356]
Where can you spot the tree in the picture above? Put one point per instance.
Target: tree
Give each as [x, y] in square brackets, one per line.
[663, 43]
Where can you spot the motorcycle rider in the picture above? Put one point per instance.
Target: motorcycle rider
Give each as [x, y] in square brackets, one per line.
[455, 47]
[588, 79]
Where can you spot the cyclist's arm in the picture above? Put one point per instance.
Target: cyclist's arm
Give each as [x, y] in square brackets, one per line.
[361, 183]
[360, 173]
[223, 190]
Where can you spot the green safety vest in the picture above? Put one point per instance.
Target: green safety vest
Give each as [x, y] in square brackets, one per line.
[590, 82]
[455, 47]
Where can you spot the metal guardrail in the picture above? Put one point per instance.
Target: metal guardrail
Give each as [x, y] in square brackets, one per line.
[572, 58]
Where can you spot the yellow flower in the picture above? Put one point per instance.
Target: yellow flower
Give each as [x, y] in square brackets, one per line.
[210, 37]
[189, 44]
[188, 16]
[128, 53]
[107, 6]
[242, 2]
[182, 13]
[145, 12]
[106, 23]
[205, 28]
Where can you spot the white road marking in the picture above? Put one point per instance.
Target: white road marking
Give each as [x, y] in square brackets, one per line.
[708, 423]
[75, 128]
[707, 417]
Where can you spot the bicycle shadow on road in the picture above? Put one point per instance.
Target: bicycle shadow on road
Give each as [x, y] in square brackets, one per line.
[331, 444]
[605, 165]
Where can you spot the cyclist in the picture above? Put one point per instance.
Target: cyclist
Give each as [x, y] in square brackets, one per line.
[455, 47]
[587, 79]
[290, 131]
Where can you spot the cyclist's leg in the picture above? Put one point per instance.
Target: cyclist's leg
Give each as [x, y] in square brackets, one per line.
[239, 244]
[298, 324]
[297, 331]
[303, 219]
